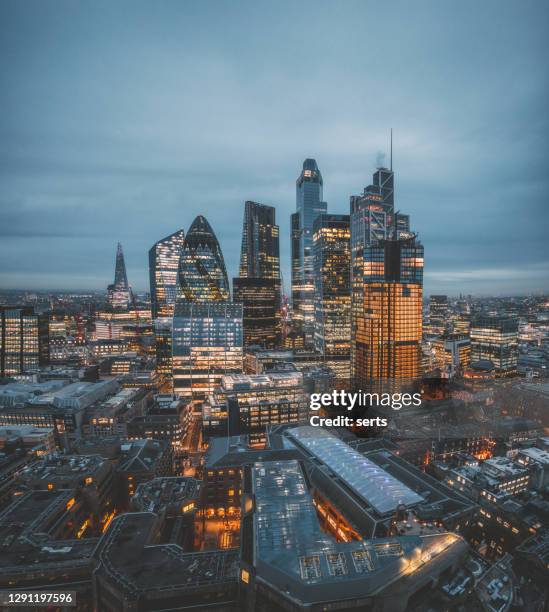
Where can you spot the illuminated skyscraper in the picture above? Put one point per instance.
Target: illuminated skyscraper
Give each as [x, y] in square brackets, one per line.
[163, 266]
[119, 293]
[309, 205]
[332, 300]
[207, 327]
[202, 276]
[164, 259]
[258, 287]
[495, 339]
[387, 289]
[23, 340]
[387, 316]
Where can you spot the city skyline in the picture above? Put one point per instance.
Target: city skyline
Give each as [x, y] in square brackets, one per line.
[119, 151]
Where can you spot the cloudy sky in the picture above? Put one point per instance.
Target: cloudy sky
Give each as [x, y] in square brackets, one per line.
[124, 120]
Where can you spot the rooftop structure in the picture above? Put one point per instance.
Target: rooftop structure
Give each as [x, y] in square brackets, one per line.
[375, 486]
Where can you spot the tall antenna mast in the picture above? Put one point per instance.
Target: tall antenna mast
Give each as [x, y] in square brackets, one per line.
[391, 157]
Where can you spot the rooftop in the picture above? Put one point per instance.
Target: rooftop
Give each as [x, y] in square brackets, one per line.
[373, 484]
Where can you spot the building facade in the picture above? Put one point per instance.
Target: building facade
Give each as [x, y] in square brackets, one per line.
[23, 340]
[387, 290]
[258, 288]
[332, 298]
[495, 339]
[309, 205]
[207, 345]
[163, 266]
[119, 292]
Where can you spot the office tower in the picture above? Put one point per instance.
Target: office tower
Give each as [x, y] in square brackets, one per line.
[258, 287]
[387, 287]
[261, 318]
[495, 339]
[207, 327]
[23, 340]
[207, 345]
[202, 276]
[438, 313]
[309, 205]
[332, 298]
[260, 253]
[119, 295]
[163, 266]
[164, 259]
[388, 329]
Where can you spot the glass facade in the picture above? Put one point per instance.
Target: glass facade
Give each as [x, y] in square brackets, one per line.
[119, 295]
[206, 345]
[332, 302]
[261, 317]
[309, 205]
[260, 253]
[495, 339]
[202, 275]
[164, 259]
[23, 340]
[258, 288]
[387, 291]
[207, 327]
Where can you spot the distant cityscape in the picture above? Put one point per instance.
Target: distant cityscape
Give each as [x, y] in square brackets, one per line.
[156, 450]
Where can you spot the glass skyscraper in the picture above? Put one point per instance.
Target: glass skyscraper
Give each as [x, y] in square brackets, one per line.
[164, 259]
[332, 298]
[258, 288]
[202, 275]
[260, 252]
[387, 290]
[23, 340]
[119, 295]
[207, 327]
[309, 205]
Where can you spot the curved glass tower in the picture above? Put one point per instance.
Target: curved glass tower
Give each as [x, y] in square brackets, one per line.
[207, 327]
[202, 274]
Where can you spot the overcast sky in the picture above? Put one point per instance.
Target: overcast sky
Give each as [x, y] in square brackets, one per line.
[125, 120]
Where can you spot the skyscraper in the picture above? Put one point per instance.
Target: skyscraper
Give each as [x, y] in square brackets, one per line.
[119, 295]
[332, 298]
[260, 252]
[387, 330]
[258, 287]
[163, 266]
[309, 205]
[387, 287]
[164, 259]
[23, 340]
[202, 275]
[207, 327]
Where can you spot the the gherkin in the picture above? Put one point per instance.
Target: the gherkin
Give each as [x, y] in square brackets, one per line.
[202, 274]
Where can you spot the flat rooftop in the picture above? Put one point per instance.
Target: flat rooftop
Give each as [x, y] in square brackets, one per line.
[292, 553]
